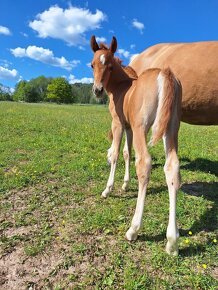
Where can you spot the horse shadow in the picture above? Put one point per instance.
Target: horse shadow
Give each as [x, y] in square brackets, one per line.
[207, 222]
[208, 190]
[200, 164]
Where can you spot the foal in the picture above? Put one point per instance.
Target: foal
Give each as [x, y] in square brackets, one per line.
[136, 104]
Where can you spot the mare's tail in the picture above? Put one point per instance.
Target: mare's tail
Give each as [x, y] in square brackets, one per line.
[169, 103]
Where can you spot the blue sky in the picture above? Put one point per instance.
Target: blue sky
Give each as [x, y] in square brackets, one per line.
[51, 38]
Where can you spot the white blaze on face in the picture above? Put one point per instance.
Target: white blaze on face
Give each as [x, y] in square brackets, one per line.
[102, 59]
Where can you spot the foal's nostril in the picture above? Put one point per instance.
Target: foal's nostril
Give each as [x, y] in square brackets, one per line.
[97, 91]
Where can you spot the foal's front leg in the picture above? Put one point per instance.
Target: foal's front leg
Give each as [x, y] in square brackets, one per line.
[117, 131]
[143, 168]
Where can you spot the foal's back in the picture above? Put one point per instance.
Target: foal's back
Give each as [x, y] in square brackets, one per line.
[154, 99]
[140, 102]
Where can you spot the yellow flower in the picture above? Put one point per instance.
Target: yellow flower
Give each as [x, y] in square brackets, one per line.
[215, 241]
[63, 222]
[190, 233]
[204, 266]
[186, 241]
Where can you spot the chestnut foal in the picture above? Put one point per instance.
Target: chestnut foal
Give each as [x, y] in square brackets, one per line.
[136, 104]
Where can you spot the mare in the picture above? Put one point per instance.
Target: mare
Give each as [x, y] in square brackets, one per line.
[137, 103]
[195, 64]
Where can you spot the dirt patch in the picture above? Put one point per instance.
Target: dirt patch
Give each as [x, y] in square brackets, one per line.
[68, 265]
[214, 273]
[19, 271]
[21, 231]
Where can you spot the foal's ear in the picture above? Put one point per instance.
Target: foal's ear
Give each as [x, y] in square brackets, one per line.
[93, 44]
[113, 46]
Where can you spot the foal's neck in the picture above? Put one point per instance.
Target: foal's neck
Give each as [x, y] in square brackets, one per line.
[118, 80]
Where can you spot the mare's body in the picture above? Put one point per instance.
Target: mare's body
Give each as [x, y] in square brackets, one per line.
[196, 66]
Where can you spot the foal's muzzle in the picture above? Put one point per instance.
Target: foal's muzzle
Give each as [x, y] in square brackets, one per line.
[97, 91]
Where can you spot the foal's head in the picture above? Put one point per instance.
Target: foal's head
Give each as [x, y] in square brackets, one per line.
[102, 64]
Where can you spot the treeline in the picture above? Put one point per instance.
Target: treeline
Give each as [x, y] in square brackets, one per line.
[57, 90]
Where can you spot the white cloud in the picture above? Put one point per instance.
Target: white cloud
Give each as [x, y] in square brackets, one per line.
[81, 48]
[123, 52]
[100, 39]
[85, 80]
[19, 52]
[7, 89]
[24, 34]
[4, 30]
[138, 25]
[5, 63]
[7, 74]
[69, 24]
[45, 56]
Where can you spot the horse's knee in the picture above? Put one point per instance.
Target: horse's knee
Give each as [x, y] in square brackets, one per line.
[172, 172]
[143, 168]
[172, 164]
[125, 154]
[112, 155]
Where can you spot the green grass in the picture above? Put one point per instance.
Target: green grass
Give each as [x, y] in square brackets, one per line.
[58, 233]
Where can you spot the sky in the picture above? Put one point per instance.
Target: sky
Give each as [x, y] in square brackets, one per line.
[51, 37]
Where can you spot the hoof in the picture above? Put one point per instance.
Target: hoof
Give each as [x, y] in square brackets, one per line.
[172, 250]
[106, 192]
[125, 186]
[131, 235]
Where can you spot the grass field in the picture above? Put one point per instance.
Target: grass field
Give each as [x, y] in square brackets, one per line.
[58, 233]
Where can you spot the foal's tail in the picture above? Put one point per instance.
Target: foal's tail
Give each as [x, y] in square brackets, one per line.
[169, 103]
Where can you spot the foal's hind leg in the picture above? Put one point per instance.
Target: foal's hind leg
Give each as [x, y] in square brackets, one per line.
[143, 168]
[127, 157]
[172, 173]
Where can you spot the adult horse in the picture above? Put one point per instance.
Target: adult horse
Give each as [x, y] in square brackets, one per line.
[196, 66]
[136, 104]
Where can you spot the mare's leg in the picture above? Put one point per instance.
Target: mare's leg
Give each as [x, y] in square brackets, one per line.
[127, 157]
[172, 173]
[113, 155]
[143, 168]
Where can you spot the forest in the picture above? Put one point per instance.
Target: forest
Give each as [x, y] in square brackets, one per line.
[47, 89]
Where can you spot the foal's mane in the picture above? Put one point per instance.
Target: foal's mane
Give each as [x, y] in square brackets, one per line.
[128, 69]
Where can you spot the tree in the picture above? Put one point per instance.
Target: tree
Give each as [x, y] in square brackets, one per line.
[42, 89]
[31, 93]
[40, 85]
[19, 94]
[33, 90]
[83, 94]
[5, 93]
[59, 91]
